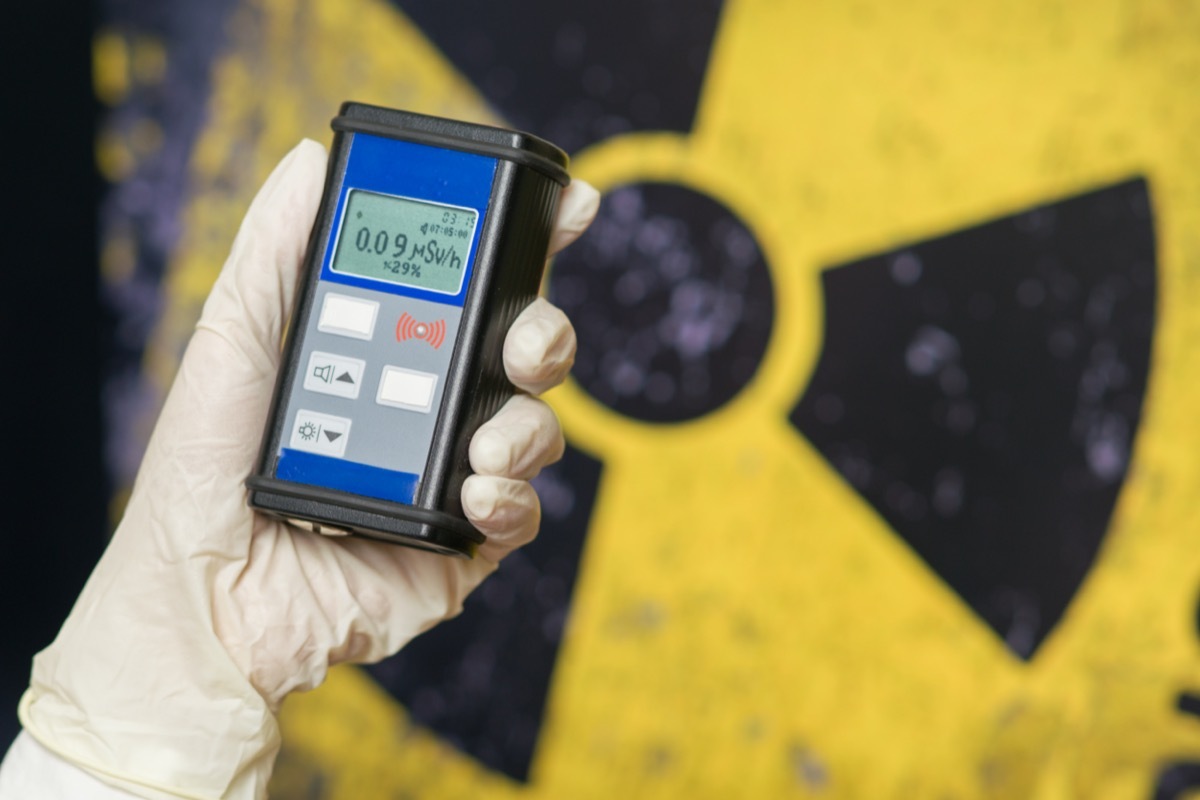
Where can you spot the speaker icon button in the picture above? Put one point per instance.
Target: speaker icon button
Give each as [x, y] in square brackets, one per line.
[328, 373]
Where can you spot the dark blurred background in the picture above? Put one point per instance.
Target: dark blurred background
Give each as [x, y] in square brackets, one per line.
[54, 338]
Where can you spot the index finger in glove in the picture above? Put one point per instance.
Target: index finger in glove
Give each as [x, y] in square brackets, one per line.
[540, 348]
[576, 209]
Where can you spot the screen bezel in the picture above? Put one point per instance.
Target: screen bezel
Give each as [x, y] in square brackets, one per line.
[466, 260]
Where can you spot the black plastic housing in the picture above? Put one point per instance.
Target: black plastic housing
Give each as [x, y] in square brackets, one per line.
[507, 274]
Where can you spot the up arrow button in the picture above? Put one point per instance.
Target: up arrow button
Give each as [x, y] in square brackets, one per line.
[329, 373]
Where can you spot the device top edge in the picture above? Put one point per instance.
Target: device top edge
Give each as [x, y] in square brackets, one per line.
[512, 145]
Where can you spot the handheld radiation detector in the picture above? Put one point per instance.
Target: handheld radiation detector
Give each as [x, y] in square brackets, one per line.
[431, 237]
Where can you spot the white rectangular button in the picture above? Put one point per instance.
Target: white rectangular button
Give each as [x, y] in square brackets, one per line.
[406, 388]
[348, 316]
[324, 434]
[333, 374]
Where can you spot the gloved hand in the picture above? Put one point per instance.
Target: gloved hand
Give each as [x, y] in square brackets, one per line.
[202, 616]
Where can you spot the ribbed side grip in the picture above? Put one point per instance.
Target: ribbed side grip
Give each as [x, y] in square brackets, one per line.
[514, 284]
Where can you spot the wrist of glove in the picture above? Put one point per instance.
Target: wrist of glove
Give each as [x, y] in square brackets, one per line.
[201, 617]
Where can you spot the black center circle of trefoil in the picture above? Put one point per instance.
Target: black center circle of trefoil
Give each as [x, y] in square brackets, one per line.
[672, 302]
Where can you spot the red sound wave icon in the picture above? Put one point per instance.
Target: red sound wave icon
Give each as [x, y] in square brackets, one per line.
[432, 332]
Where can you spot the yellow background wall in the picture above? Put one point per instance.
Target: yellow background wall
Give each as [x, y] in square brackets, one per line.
[707, 655]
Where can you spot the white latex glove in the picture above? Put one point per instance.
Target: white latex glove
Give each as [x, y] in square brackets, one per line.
[31, 772]
[202, 616]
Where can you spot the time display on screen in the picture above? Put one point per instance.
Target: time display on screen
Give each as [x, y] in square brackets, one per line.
[404, 241]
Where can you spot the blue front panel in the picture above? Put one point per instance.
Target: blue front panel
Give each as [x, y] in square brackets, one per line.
[375, 354]
[334, 473]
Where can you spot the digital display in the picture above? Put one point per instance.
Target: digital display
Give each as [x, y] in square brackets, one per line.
[403, 241]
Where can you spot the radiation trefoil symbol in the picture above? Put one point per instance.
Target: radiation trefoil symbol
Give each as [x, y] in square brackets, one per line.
[881, 478]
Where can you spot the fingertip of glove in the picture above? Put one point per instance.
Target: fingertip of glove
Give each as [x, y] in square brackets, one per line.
[584, 202]
[578, 207]
[507, 511]
[479, 500]
[490, 453]
[533, 342]
[310, 149]
[539, 375]
[309, 158]
[540, 347]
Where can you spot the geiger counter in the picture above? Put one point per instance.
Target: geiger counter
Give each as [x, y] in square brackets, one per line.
[430, 239]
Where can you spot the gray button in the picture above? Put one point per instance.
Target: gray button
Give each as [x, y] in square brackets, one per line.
[328, 373]
[406, 388]
[348, 316]
[323, 434]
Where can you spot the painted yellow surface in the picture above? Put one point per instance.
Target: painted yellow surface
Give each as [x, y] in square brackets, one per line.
[744, 625]
[290, 65]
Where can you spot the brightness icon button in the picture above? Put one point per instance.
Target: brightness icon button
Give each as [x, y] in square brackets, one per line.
[323, 434]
